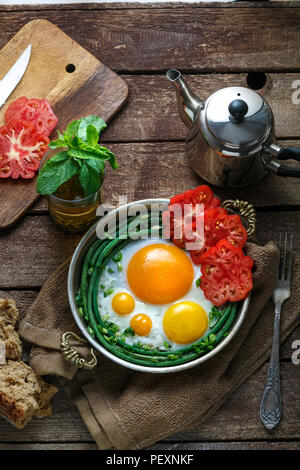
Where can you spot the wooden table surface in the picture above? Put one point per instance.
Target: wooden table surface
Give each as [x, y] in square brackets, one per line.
[214, 45]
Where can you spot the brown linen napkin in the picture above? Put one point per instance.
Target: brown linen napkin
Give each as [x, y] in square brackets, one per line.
[132, 410]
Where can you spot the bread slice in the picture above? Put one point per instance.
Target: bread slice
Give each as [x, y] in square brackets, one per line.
[47, 392]
[23, 394]
[9, 315]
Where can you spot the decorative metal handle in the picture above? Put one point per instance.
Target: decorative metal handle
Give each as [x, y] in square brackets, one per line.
[246, 210]
[270, 408]
[72, 355]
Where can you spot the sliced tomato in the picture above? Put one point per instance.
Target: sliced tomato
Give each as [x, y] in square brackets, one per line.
[183, 198]
[215, 202]
[202, 195]
[180, 222]
[226, 273]
[39, 112]
[217, 225]
[21, 149]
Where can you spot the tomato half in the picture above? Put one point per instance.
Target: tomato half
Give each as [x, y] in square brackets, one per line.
[226, 273]
[39, 112]
[21, 149]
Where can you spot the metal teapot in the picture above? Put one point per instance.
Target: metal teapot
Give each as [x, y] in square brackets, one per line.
[230, 140]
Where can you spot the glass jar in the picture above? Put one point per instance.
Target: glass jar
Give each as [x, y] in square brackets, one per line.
[76, 214]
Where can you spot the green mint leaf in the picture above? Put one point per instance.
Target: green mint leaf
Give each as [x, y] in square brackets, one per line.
[84, 122]
[91, 176]
[71, 130]
[79, 128]
[92, 135]
[56, 171]
[83, 154]
[110, 157]
[59, 142]
[102, 152]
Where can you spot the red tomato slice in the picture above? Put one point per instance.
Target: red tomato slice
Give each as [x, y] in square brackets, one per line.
[183, 198]
[226, 273]
[21, 149]
[202, 195]
[215, 202]
[39, 112]
[188, 201]
[217, 225]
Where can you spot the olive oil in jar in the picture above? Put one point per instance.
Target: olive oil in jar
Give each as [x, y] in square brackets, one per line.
[70, 209]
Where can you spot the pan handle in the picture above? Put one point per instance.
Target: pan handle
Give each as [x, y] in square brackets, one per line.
[283, 154]
[71, 355]
[245, 209]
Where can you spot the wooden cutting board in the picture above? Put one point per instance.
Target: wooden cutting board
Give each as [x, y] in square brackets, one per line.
[74, 81]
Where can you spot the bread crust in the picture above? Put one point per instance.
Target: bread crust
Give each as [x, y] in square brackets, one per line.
[9, 314]
[23, 394]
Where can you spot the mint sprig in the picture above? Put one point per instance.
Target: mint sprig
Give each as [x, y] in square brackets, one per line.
[83, 156]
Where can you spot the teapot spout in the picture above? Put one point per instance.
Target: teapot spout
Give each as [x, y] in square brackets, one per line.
[188, 103]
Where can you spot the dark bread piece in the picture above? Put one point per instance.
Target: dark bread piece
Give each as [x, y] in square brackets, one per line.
[9, 315]
[23, 394]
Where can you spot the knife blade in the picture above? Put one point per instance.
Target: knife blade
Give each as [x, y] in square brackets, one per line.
[14, 75]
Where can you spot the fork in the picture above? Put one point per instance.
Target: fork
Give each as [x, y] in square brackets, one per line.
[270, 408]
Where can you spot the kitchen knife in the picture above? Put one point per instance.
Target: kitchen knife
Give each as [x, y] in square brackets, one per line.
[14, 75]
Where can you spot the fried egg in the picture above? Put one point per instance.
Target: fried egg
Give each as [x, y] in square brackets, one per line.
[152, 292]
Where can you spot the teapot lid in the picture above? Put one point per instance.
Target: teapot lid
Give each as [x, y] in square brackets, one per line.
[238, 118]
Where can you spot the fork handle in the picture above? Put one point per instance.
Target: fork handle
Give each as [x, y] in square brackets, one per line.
[270, 409]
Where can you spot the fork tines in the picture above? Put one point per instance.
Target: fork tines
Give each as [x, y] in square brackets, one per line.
[285, 251]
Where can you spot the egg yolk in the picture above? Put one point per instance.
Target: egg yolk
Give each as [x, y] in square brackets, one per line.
[185, 322]
[159, 273]
[123, 303]
[141, 324]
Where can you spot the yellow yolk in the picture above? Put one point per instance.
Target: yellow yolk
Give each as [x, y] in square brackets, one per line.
[185, 322]
[141, 324]
[159, 273]
[123, 303]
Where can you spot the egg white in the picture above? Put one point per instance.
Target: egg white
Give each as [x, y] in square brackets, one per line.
[118, 282]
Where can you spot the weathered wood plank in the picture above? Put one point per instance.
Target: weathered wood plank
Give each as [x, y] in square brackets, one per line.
[239, 416]
[160, 446]
[151, 112]
[199, 39]
[228, 423]
[155, 6]
[38, 257]
[242, 445]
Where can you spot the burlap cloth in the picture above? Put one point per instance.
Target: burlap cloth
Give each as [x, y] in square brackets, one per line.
[131, 410]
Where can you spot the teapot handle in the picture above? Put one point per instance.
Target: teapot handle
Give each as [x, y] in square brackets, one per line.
[284, 154]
